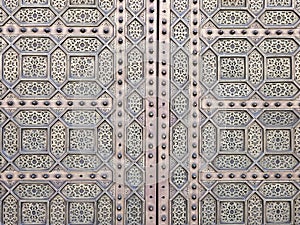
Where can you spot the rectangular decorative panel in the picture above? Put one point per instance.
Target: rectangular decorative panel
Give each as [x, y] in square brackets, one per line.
[74, 112]
[149, 112]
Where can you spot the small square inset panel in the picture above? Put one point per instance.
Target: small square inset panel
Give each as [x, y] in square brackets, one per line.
[232, 140]
[233, 3]
[81, 213]
[279, 3]
[34, 66]
[278, 212]
[82, 140]
[34, 213]
[82, 67]
[34, 140]
[278, 140]
[232, 68]
[232, 212]
[279, 68]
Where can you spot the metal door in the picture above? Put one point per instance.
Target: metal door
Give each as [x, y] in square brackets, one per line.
[149, 112]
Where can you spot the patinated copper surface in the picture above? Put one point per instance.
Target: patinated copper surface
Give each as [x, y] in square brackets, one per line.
[149, 112]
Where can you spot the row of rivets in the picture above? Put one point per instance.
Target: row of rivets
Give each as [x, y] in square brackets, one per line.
[57, 103]
[195, 89]
[120, 109]
[254, 176]
[57, 30]
[57, 176]
[253, 104]
[254, 32]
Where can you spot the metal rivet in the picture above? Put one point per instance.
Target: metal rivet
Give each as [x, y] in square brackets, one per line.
[220, 176]
[266, 176]
[92, 176]
[9, 176]
[33, 176]
[277, 104]
[231, 175]
[69, 176]
[45, 176]
[277, 175]
[208, 176]
[119, 155]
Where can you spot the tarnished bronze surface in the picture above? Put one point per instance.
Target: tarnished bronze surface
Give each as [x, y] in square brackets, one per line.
[149, 112]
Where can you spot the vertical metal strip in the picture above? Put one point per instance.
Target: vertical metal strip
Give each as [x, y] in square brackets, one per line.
[194, 115]
[119, 113]
[151, 111]
[163, 112]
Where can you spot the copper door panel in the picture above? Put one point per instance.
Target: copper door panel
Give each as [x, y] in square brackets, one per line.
[149, 112]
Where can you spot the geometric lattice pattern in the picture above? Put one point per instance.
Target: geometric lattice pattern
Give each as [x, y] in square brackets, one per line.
[149, 112]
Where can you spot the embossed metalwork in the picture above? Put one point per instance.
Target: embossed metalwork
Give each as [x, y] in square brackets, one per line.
[248, 112]
[149, 112]
[73, 113]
